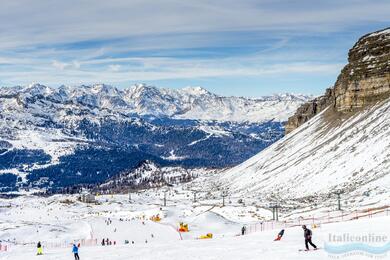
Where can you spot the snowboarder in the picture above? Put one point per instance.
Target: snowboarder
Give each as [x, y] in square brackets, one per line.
[75, 251]
[243, 230]
[308, 234]
[39, 248]
[280, 235]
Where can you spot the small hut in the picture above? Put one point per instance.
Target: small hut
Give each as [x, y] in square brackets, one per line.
[87, 197]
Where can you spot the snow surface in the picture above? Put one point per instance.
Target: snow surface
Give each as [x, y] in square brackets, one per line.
[319, 158]
[59, 221]
[385, 31]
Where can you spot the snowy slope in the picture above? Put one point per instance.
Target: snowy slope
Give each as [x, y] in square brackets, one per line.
[59, 221]
[149, 175]
[326, 154]
[256, 246]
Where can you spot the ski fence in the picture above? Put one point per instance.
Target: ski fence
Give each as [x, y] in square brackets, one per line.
[4, 247]
[317, 221]
[62, 244]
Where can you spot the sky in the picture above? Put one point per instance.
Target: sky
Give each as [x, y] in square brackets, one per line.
[230, 47]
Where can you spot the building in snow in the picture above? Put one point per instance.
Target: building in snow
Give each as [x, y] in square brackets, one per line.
[87, 197]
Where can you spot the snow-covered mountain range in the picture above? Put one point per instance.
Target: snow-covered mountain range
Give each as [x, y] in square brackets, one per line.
[187, 103]
[198, 103]
[58, 136]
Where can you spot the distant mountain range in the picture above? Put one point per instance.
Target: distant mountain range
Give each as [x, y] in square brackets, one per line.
[56, 137]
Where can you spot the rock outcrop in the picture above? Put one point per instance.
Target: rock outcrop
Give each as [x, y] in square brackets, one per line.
[363, 81]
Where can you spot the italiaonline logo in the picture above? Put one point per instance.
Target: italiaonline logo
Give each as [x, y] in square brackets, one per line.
[346, 244]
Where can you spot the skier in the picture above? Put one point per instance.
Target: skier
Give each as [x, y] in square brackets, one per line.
[243, 230]
[39, 248]
[280, 235]
[307, 234]
[75, 251]
[103, 242]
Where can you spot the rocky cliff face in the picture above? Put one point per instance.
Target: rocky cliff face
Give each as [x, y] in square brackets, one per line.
[363, 81]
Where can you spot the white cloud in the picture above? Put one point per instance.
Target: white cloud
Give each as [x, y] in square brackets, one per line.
[173, 70]
[59, 65]
[76, 64]
[114, 67]
[28, 22]
[110, 41]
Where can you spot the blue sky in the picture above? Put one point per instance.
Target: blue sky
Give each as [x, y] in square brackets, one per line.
[243, 48]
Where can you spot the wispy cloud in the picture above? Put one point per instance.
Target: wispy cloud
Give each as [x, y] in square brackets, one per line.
[144, 40]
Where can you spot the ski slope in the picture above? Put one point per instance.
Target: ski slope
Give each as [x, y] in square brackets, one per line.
[60, 220]
[254, 246]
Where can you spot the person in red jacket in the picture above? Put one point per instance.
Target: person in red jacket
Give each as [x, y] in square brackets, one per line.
[280, 235]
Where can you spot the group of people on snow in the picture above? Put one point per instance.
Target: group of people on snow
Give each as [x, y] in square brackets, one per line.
[75, 250]
[107, 242]
[307, 234]
[108, 221]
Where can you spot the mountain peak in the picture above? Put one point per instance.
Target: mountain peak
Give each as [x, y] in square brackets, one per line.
[362, 82]
[103, 88]
[37, 89]
[140, 88]
[197, 91]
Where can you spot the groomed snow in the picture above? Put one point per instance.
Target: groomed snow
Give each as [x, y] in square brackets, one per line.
[82, 220]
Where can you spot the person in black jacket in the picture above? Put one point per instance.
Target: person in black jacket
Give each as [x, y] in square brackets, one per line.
[243, 230]
[308, 234]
